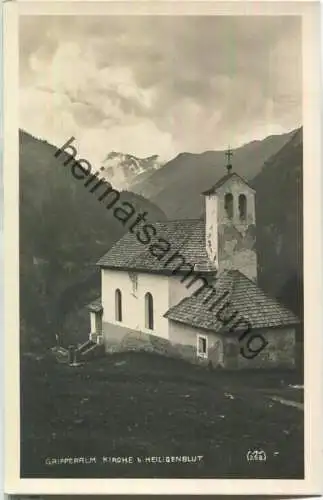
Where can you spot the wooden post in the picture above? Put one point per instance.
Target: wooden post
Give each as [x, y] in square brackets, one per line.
[71, 354]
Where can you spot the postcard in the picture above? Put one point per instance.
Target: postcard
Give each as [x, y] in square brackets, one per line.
[163, 248]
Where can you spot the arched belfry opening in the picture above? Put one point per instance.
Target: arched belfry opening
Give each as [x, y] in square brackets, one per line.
[228, 204]
[242, 206]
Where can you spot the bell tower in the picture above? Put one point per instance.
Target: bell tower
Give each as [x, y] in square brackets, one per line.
[230, 223]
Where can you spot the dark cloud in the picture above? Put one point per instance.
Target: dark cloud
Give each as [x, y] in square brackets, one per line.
[233, 76]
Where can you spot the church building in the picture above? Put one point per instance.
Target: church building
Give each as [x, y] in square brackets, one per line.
[188, 289]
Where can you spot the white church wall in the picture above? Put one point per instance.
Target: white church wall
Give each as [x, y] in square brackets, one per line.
[133, 287]
[178, 290]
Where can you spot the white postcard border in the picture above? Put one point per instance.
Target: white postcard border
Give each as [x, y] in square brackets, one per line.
[312, 253]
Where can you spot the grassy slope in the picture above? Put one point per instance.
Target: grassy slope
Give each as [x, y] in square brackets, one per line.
[145, 405]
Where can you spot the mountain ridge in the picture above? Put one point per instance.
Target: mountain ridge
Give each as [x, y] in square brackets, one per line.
[176, 188]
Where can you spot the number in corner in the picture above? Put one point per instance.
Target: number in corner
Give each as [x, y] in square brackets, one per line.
[256, 456]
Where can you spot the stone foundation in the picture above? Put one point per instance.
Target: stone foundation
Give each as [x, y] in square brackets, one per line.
[222, 352]
[120, 339]
[280, 351]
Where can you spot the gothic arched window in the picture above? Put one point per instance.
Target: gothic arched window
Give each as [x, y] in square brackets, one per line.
[228, 205]
[242, 206]
[118, 304]
[149, 311]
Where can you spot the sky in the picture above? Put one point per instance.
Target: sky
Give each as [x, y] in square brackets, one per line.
[159, 85]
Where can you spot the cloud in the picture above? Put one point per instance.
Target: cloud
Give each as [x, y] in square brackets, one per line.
[159, 85]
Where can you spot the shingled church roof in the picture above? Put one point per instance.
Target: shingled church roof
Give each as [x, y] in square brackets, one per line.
[243, 297]
[186, 237]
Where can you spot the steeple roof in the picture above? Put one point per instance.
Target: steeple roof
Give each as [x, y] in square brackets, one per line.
[222, 181]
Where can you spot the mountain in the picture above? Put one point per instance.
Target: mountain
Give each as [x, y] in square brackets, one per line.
[122, 170]
[64, 229]
[279, 209]
[176, 188]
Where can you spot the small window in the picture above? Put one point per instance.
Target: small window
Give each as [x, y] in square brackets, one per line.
[228, 205]
[242, 206]
[149, 311]
[202, 346]
[118, 304]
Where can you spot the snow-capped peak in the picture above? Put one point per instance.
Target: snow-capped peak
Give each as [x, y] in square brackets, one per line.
[122, 169]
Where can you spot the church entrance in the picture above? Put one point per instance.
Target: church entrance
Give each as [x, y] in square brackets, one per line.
[98, 323]
[96, 327]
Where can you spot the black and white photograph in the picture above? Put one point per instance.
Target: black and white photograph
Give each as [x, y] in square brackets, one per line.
[162, 328]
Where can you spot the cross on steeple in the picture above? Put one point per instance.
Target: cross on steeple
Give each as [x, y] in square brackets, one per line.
[229, 155]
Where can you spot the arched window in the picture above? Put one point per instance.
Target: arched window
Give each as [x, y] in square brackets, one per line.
[149, 311]
[242, 206]
[228, 204]
[118, 304]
